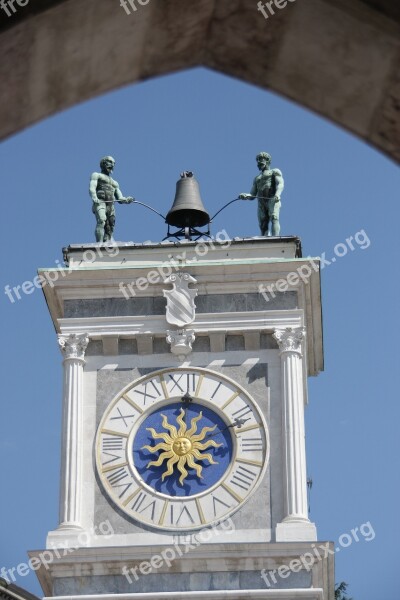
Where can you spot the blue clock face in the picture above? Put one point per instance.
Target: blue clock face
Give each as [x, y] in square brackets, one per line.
[182, 450]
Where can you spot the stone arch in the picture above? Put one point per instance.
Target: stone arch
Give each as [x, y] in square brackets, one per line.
[338, 58]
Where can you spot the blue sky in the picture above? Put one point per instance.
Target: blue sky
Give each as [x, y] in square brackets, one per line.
[336, 186]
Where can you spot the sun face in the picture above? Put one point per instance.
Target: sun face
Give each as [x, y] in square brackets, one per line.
[181, 446]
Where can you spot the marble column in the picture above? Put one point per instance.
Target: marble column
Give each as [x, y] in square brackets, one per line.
[73, 348]
[295, 524]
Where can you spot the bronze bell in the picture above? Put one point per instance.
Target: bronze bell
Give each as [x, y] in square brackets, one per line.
[187, 209]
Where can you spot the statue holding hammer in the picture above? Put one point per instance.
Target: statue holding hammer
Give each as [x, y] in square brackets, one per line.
[105, 191]
[267, 188]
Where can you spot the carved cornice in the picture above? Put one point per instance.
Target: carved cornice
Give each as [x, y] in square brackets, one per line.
[73, 346]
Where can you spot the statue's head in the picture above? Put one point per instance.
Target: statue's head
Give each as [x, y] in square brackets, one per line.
[263, 160]
[107, 164]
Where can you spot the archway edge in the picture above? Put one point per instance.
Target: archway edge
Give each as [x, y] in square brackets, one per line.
[340, 62]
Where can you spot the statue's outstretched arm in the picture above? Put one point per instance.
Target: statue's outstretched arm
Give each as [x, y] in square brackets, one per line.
[93, 187]
[120, 198]
[253, 192]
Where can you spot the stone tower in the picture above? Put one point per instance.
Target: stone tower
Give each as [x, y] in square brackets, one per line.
[183, 449]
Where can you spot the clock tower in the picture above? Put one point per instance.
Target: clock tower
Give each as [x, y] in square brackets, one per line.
[183, 468]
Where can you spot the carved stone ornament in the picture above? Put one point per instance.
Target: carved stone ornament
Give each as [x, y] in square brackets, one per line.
[73, 346]
[181, 309]
[181, 341]
[289, 339]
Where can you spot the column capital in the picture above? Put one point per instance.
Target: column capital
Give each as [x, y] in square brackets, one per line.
[290, 339]
[73, 346]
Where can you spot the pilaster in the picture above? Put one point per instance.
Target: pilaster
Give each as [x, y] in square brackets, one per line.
[73, 348]
[296, 525]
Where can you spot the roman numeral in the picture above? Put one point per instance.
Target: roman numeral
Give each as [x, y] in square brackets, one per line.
[137, 505]
[176, 383]
[186, 382]
[117, 477]
[239, 414]
[139, 501]
[112, 443]
[152, 506]
[215, 500]
[113, 459]
[191, 382]
[152, 386]
[249, 444]
[216, 390]
[243, 478]
[123, 417]
[183, 511]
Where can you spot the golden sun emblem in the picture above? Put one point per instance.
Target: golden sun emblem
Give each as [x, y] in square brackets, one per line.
[181, 446]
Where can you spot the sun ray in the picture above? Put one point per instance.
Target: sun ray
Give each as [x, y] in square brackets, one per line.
[170, 464]
[205, 445]
[181, 468]
[192, 464]
[160, 446]
[202, 435]
[157, 436]
[181, 422]
[171, 428]
[181, 446]
[193, 425]
[161, 458]
[207, 456]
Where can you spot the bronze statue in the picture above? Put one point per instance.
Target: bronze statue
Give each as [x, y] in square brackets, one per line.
[267, 188]
[104, 191]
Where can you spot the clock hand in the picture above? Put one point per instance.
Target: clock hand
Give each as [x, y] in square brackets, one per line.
[236, 423]
[186, 399]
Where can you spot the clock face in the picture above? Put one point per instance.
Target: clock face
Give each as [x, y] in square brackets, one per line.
[180, 449]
